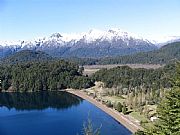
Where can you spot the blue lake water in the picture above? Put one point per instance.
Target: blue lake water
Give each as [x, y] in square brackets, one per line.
[52, 113]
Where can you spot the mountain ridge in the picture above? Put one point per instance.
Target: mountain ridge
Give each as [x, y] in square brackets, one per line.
[92, 44]
[95, 44]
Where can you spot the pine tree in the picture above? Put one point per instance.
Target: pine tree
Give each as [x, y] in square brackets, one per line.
[168, 111]
[119, 107]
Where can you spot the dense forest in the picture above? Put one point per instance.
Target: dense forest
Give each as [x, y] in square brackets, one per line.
[26, 56]
[45, 75]
[142, 86]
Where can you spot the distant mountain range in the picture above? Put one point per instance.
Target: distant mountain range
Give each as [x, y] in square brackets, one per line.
[163, 55]
[94, 44]
[164, 40]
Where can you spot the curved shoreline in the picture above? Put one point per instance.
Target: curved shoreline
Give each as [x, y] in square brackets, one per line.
[113, 113]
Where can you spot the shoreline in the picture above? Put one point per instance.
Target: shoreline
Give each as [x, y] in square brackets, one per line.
[121, 118]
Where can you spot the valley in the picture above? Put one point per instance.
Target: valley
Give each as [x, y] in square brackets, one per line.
[129, 92]
[89, 67]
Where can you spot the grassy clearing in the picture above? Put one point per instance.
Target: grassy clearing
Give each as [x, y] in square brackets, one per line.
[132, 114]
[138, 116]
[89, 72]
[91, 69]
[114, 99]
[147, 66]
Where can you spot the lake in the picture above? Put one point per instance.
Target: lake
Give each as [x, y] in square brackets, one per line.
[52, 113]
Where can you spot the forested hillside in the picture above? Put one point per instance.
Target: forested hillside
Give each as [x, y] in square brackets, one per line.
[26, 56]
[48, 75]
[165, 54]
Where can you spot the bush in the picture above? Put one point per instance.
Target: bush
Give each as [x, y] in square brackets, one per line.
[119, 107]
[139, 132]
[109, 104]
[143, 122]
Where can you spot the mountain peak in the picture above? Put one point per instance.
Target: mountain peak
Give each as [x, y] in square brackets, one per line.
[116, 30]
[55, 35]
[94, 43]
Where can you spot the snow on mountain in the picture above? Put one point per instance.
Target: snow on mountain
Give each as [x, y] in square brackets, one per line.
[89, 37]
[94, 43]
[163, 40]
[111, 34]
[7, 43]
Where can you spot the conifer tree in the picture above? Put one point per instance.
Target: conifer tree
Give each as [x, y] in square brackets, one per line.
[168, 111]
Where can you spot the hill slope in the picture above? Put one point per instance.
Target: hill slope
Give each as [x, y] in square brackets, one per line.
[26, 56]
[163, 55]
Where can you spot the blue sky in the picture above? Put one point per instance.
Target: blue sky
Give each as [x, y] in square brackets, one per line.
[27, 19]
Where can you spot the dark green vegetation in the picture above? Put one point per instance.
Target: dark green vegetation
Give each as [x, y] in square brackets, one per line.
[47, 75]
[38, 100]
[126, 77]
[142, 87]
[168, 112]
[26, 56]
[118, 107]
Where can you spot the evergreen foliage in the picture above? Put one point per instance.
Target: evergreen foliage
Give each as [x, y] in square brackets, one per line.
[142, 86]
[126, 77]
[26, 56]
[119, 107]
[47, 75]
[168, 111]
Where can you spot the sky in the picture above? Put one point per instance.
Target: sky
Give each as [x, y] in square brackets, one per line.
[28, 19]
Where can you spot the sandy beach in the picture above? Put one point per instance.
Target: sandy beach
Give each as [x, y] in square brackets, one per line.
[123, 119]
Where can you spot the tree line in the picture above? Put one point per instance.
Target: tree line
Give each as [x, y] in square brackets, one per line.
[142, 86]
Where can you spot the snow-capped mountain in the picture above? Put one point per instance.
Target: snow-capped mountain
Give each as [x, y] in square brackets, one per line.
[163, 40]
[94, 43]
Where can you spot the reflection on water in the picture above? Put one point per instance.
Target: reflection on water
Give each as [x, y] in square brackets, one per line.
[38, 100]
[52, 113]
